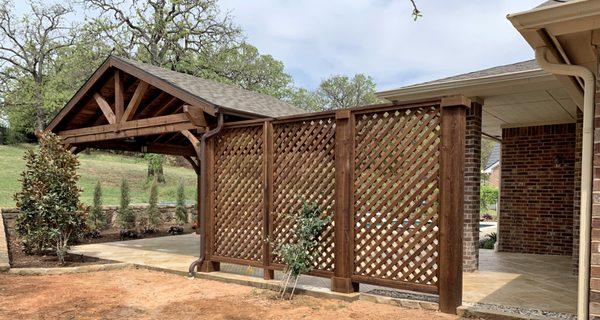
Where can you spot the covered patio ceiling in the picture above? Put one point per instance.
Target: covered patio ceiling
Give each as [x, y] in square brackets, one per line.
[514, 95]
[132, 106]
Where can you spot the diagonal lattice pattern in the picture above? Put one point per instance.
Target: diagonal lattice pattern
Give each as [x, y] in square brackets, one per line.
[396, 195]
[304, 169]
[238, 193]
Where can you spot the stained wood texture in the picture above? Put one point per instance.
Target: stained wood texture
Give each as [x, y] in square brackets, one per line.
[238, 193]
[377, 171]
[396, 205]
[452, 205]
[304, 171]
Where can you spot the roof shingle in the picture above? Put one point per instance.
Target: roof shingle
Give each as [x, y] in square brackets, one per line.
[219, 94]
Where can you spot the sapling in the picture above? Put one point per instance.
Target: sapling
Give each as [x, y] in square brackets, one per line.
[125, 214]
[181, 216]
[299, 255]
[153, 214]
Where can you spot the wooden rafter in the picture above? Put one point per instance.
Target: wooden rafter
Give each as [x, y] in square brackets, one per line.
[142, 127]
[119, 95]
[105, 107]
[134, 103]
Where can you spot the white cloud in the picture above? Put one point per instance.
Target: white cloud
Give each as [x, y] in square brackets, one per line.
[318, 38]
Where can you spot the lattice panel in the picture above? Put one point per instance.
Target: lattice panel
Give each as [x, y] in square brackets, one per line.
[304, 169]
[238, 193]
[396, 195]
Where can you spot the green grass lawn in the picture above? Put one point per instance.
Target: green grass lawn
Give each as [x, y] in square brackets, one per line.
[108, 168]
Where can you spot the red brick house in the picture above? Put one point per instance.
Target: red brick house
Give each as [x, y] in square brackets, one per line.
[542, 112]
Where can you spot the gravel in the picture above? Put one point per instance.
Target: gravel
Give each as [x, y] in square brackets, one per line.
[405, 295]
[523, 312]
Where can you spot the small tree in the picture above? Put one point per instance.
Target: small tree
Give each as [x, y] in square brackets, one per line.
[50, 214]
[299, 255]
[153, 213]
[181, 216]
[96, 219]
[125, 215]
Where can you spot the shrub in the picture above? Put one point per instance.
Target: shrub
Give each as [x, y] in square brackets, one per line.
[152, 212]
[488, 241]
[181, 216]
[50, 214]
[299, 255]
[488, 195]
[125, 215]
[96, 219]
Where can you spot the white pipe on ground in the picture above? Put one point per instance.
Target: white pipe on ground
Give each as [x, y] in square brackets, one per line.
[586, 171]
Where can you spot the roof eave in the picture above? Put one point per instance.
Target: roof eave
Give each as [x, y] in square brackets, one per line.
[450, 87]
[561, 18]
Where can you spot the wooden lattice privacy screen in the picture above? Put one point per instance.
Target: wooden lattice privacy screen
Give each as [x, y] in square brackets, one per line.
[389, 176]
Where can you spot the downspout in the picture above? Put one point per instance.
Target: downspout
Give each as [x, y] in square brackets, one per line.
[586, 171]
[203, 182]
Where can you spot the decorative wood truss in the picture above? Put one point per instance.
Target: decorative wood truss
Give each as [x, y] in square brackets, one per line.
[121, 107]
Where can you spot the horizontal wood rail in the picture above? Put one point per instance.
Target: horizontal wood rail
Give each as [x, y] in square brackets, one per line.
[133, 128]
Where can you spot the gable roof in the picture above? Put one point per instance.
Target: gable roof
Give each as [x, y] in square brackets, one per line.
[210, 95]
[220, 95]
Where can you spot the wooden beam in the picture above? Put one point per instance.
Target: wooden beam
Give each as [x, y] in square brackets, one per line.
[134, 103]
[195, 142]
[195, 114]
[105, 107]
[142, 127]
[159, 148]
[119, 98]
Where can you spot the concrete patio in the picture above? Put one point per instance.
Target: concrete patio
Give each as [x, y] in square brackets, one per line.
[509, 279]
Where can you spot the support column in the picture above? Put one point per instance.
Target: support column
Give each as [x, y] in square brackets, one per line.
[451, 217]
[472, 188]
[344, 201]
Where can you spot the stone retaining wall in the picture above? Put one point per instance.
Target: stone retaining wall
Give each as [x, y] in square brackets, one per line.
[167, 212]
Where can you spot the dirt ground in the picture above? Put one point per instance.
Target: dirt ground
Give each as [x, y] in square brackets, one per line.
[143, 294]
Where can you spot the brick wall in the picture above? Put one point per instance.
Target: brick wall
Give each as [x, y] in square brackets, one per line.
[472, 183]
[536, 207]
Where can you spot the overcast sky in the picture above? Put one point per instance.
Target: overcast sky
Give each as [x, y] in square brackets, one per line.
[316, 38]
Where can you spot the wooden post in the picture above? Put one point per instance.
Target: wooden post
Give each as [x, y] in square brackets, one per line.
[344, 191]
[267, 198]
[208, 265]
[453, 110]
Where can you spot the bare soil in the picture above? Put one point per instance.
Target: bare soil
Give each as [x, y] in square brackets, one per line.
[143, 294]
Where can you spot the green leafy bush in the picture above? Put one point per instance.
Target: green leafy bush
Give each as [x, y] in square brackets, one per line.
[125, 215]
[309, 224]
[488, 195]
[181, 216]
[152, 212]
[96, 219]
[50, 214]
[488, 241]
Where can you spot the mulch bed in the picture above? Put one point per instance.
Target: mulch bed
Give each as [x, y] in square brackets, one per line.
[19, 259]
